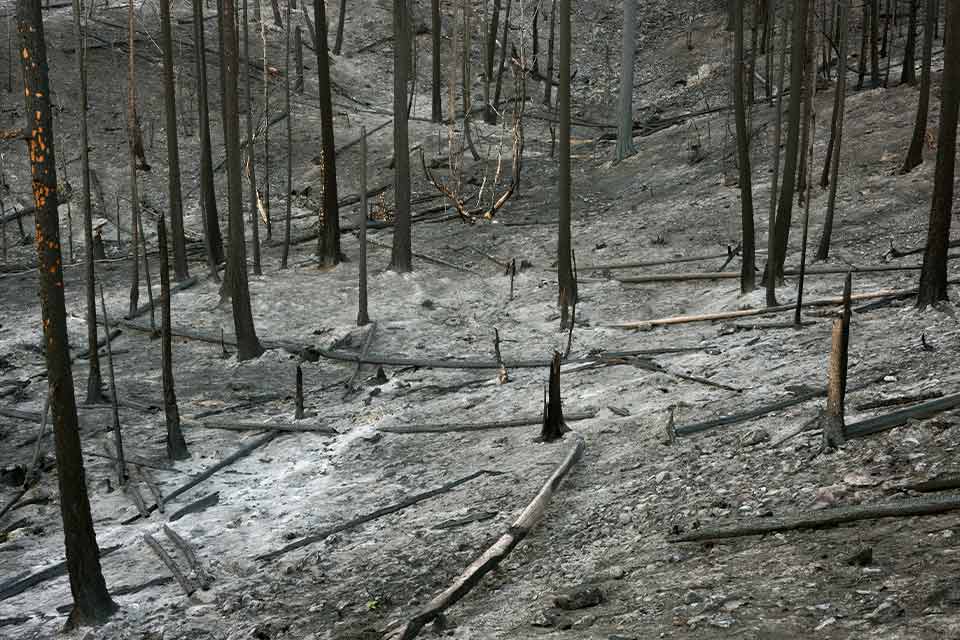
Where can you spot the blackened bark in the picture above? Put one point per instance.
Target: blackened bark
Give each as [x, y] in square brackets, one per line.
[251, 147]
[208, 197]
[176, 445]
[341, 16]
[908, 75]
[401, 259]
[747, 270]
[915, 152]
[548, 79]
[436, 109]
[173, 149]
[567, 283]
[92, 603]
[286, 92]
[328, 250]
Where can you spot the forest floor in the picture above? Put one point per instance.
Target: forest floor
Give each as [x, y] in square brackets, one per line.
[608, 524]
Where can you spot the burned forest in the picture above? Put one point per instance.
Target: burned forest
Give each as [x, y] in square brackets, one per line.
[479, 319]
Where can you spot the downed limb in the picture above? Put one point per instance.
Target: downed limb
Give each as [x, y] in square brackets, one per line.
[899, 400]
[762, 410]
[186, 584]
[16, 586]
[494, 555]
[765, 311]
[732, 275]
[261, 426]
[887, 421]
[180, 286]
[828, 517]
[367, 342]
[525, 421]
[190, 555]
[242, 452]
[373, 515]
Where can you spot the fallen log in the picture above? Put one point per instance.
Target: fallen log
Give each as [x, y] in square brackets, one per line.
[826, 518]
[765, 311]
[942, 482]
[367, 342]
[17, 586]
[899, 400]
[197, 506]
[262, 426]
[733, 275]
[186, 584]
[494, 555]
[242, 452]
[759, 412]
[612, 266]
[888, 421]
[190, 554]
[525, 421]
[373, 515]
[101, 342]
[126, 589]
[180, 286]
[253, 402]
[424, 256]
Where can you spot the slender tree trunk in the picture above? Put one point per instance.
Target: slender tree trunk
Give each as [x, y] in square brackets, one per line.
[289, 154]
[208, 196]
[771, 282]
[503, 56]
[625, 146]
[747, 275]
[809, 76]
[248, 345]
[933, 277]
[436, 110]
[915, 152]
[874, 38]
[341, 16]
[133, 141]
[568, 284]
[548, 80]
[785, 207]
[401, 259]
[176, 445]
[298, 55]
[94, 378]
[536, 39]
[275, 4]
[362, 316]
[251, 146]
[489, 115]
[173, 150]
[908, 75]
[823, 250]
[864, 44]
[328, 250]
[468, 81]
[91, 601]
[268, 220]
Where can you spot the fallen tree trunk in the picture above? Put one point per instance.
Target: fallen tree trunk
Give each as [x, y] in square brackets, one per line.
[379, 513]
[526, 421]
[180, 286]
[17, 586]
[494, 555]
[828, 517]
[765, 311]
[763, 410]
[186, 584]
[261, 426]
[732, 275]
[242, 452]
[871, 426]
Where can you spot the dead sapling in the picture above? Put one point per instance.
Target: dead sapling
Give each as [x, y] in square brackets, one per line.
[176, 444]
[298, 411]
[834, 430]
[573, 307]
[512, 272]
[502, 376]
[553, 424]
[117, 436]
[670, 433]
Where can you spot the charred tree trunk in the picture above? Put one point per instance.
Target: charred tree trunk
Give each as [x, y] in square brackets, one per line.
[834, 430]
[568, 285]
[248, 345]
[328, 250]
[771, 281]
[809, 93]
[208, 197]
[785, 207]
[134, 143]
[289, 191]
[503, 57]
[251, 146]
[933, 278]
[836, 135]
[915, 152]
[625, 146]
[436, 109]
[362, 316]
[176, 445]
[94, 378]
[298, 54]
[401, 259]
[874, 42]
[92, 603]
[341, 16]
[548, 79]
[489, 115]
[747, 275]
[173, 149]
[908, 75]
[553, 426]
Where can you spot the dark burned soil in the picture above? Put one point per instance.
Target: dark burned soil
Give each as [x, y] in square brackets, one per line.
[605, 534]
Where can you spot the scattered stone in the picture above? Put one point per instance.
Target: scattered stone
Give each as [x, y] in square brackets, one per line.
[553, 618]
[826, 623]
[580, 597]
[584, 623]
[692, 597]
[888, 611]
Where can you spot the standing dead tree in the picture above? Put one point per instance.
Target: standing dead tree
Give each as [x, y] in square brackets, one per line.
[833, 421]
[92, 603]
[553, 426]
[176, 445]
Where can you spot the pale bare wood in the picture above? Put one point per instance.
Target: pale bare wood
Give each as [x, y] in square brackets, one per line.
[494, 555]
[186, 584]
[191, 556]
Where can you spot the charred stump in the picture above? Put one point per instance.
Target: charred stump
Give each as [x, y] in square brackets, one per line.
[553, 425]
[834, 430]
